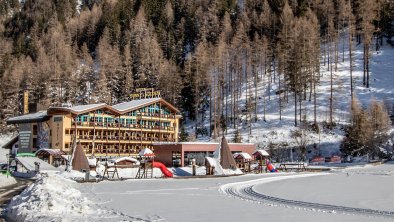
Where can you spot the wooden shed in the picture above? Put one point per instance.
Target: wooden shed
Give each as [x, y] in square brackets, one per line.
[243, 161]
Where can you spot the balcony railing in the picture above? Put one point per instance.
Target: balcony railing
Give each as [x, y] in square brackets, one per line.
[157, 115]
[123, 126]
[124, 138]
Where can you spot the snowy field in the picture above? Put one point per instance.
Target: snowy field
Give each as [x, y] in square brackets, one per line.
[6, 181]
[56, 197]
[201, 199]
[361, 188]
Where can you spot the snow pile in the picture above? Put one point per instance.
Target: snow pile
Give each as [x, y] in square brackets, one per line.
[54, 198]
[125, 173]
[188, 171]
[219, 169]
[73, 175]
[49, 199]
[6, 181]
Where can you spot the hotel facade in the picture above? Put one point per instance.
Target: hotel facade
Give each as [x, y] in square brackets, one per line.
[103, 130]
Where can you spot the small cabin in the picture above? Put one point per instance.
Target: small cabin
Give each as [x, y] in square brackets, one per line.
[260, 155]
[243, 161]
[52, 156]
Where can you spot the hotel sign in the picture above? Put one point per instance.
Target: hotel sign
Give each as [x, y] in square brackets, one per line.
[24, 138]
[145, 93]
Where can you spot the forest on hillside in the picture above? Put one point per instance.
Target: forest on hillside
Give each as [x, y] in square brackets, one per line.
[204, 56]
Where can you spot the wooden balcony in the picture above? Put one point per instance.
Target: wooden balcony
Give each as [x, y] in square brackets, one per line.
[117, 126]
[122, 139]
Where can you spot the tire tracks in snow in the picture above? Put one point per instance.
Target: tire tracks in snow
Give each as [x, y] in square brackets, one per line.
[245, 191]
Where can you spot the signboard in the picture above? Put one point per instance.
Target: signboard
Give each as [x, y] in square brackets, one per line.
[24, 138]
[25, 102]
[145, 93]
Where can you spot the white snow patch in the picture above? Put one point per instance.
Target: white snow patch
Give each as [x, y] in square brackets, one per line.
[54, 198]
[6, 180]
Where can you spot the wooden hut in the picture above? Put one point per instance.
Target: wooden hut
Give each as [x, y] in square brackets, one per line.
[52, 156]
[243, 161]
[260, 156]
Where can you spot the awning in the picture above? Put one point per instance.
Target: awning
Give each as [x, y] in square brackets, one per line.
[52, 152]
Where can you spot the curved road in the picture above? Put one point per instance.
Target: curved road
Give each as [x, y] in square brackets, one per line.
[246, 191]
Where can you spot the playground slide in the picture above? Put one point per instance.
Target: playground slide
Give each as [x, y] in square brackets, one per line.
[271, 167]
[163, 169]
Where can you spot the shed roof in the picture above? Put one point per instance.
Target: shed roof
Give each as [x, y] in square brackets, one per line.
[261, 152]
[29, 164]
[245, 156]
[11, 142]
[52, 152]
[40, 116]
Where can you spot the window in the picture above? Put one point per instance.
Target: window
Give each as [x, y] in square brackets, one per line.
[66, 146]
[57, 119]
[34, 142]
[34, 129]
[67, 132]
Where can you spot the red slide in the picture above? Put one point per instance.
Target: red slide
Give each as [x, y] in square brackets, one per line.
[163, 169]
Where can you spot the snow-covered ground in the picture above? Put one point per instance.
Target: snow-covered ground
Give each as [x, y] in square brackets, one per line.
[55, 197]
[201, 200]
[360, 187]
[278, 132]
[6, 180]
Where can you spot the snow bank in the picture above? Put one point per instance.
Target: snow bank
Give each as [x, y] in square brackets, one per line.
[49, 199]
[218, 168]
[54, 198]
[188, 171]
[6, 181]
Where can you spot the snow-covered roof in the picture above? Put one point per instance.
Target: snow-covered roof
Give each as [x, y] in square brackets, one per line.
[261, 152]
[131, 159]
[82, 108]
[29, 164]
[133, 104]
[117, 109]
[146, 152]
[11, 142]
[245, 156]
[29, 118]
